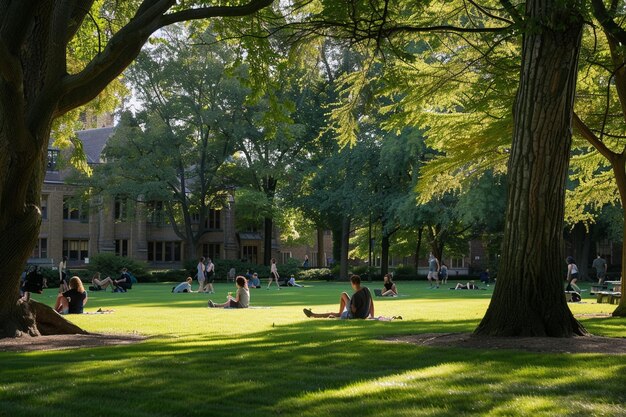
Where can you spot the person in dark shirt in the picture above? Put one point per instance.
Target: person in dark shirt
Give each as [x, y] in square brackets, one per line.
[72, 300]
[360, 306]
[125, 282]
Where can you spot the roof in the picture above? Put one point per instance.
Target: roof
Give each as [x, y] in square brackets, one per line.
[94, 141]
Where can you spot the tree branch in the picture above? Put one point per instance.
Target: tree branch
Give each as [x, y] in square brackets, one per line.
[591, 137]
[607, 22]
[126, 44]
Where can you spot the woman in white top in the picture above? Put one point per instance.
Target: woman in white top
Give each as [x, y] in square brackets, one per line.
[63, 278]
[572, 275]
[273, 275]
[200, 275]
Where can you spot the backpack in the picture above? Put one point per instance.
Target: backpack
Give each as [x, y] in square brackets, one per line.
[575, 297]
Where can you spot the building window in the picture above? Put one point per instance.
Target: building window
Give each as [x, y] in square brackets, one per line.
[456, 263]
[76, 250]
[195, 218]
[121, 209]
[249, 254]
[159, 251]
[53, 160]
[212, 250]
[74, 211]
[44, 207]
[155, 213]
[121, 247]
[285, 256]
[213, 222]
[41, 250]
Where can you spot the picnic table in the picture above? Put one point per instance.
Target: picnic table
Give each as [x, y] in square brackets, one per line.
[612, 294]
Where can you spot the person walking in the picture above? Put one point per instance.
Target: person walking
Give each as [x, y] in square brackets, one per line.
[274, 276]
[600, 266]
[209, 272]
[433, 270]
[572, 275]
[200, 275]
[63, 277]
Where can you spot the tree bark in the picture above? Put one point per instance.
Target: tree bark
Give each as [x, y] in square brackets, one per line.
[321, 262]
[619, 169]
[345, 247]
[384, 255]
[418, 248]
[528, 299]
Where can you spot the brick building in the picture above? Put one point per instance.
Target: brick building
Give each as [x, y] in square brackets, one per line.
[136, 230]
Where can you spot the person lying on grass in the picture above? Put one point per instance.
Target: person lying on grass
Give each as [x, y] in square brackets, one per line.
[469, 286]
[241, 299]
[184, 286]
[359, 306]
[72, 300]
[101, 284]
[389, 289]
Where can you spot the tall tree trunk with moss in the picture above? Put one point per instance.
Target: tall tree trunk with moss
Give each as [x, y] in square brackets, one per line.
[528, 299]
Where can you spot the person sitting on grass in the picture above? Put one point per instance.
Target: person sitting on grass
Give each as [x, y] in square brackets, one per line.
[292, 282]
[101, 284]
[241, 299]
[359, 306]
[469, 286]
[72, 300]
[390, 289]
[184, 286]
[254, 281]
[125, 282]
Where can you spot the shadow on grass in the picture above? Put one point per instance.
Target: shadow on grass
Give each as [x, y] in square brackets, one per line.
[309, 368]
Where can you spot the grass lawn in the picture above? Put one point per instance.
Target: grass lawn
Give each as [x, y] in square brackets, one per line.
[274, 361]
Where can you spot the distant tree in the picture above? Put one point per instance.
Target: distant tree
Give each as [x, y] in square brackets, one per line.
[175, 150]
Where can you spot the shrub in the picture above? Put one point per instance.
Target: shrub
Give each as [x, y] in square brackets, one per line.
[109, 264]
[172, 275]
[314, 274]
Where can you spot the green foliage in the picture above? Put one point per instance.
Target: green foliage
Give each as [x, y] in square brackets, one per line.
[109, 264]
[314, 274]
[172, 275]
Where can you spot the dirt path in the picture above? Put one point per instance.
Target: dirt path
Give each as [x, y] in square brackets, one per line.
[592, 344]
[58, 342]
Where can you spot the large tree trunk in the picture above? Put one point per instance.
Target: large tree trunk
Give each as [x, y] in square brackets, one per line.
[528, 299]
[619, 169]
[267, 240]
[345, 247]
[320, 261]
[418, 248]
[384, 255]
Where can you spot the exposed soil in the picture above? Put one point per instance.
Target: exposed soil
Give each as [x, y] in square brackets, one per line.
[590, 344]
[65, 341]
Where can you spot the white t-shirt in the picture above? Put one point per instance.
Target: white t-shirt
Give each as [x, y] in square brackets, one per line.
[182, 287]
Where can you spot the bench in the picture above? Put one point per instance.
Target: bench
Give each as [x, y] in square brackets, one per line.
[569, 295]
[611, 297]
[596, 288]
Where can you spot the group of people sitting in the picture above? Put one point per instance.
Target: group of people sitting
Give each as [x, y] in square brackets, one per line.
[72, 296]
[122, 284]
